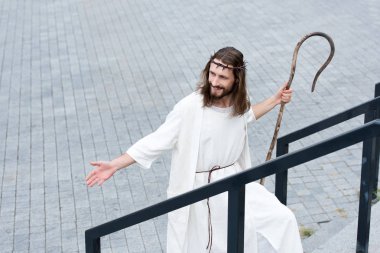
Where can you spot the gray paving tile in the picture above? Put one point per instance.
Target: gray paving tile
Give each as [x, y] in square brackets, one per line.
[82, 82]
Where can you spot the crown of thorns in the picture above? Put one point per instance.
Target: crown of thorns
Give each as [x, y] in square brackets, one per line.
[223, 66]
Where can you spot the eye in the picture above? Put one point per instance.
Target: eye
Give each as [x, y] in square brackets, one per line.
[212, 73]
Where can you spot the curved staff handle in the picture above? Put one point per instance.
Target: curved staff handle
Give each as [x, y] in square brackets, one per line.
[292, 71]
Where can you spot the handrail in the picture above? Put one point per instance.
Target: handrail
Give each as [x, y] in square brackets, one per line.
[370, 162]
[235, 185]
[371, 109]
[331, 121]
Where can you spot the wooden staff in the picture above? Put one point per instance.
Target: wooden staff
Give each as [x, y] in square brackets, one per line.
[292, 71]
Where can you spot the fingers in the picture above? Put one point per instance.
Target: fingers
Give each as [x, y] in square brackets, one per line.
[92, 181]
[286, 95]
[94, 177]
[286, 99]
[96, 163]
[283, 86]
[91, 178]
[95, 180]
[91, 174]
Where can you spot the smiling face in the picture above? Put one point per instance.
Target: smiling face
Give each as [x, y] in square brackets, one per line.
[221, 80]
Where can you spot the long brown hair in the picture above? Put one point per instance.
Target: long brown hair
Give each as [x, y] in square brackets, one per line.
[231, 57]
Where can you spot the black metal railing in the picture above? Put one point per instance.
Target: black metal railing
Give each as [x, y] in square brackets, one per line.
[369, 133]
[370, 164]
[370, 109]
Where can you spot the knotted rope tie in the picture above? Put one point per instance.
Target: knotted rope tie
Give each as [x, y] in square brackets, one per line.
[216, 167]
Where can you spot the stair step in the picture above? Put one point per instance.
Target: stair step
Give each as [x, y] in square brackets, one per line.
[344, 241]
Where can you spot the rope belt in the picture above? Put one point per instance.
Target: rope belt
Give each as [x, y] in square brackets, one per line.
[216, 167]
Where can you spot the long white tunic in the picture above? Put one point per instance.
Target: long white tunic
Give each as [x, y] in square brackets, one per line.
[181, 133]
[221, 144]
[222, 138]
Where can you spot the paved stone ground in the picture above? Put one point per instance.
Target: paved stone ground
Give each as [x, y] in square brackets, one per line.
[83, 80]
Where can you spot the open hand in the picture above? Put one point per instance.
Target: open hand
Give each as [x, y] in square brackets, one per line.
[102, 172]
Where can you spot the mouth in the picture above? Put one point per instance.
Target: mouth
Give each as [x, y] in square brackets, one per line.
[217, 87]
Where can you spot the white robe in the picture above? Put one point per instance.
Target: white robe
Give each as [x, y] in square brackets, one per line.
[181, 134]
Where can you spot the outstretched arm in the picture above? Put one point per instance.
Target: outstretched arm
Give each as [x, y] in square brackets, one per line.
[105, 169]
[143, 152]
[281, 96]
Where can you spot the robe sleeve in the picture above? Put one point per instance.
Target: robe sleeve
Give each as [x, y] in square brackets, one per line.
[250, 116]
[149, 148]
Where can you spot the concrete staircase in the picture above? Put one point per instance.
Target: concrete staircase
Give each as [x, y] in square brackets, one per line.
[338, 237]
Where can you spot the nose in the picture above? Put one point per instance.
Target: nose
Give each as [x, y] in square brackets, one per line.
[214, 81]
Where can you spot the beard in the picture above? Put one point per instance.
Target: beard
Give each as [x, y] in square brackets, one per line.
[218, 92]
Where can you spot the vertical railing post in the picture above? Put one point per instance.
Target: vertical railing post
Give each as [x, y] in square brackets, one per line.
[236, 209]
[377, 147]
[92, 244]
[281, 185]
[369, 159]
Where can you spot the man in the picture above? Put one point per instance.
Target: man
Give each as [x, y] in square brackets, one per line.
[207, 133]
